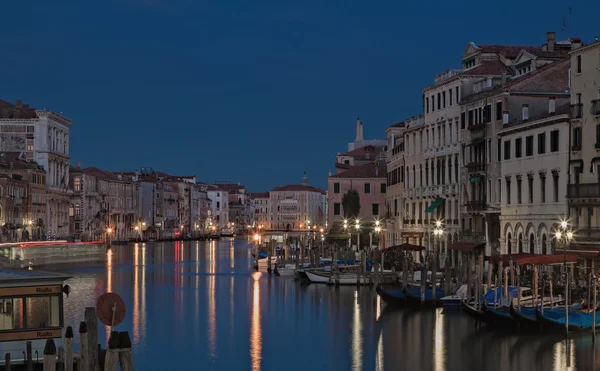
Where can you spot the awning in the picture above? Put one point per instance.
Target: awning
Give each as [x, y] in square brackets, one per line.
[434, 205]
[522, 259]
[475, 179]
[406, 246]
[578, 162]
[466, 246]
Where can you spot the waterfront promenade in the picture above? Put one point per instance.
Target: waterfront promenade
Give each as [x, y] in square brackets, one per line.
[201, 303]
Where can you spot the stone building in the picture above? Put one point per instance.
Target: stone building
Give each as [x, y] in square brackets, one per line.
[395, 187]
[262, 216]
[296, 207]
[583, 188]
[41, 136]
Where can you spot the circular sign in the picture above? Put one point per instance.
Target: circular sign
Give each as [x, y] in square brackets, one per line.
[110, 309]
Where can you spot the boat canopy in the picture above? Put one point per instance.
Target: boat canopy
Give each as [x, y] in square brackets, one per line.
[536, 259]
[407, 246]
[466, 246]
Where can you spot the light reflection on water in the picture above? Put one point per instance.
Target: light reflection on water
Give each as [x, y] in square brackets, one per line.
[203, 305]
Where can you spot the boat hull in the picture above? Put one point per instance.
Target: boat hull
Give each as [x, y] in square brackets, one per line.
[393, 298]
[497, 317]
[471, 311]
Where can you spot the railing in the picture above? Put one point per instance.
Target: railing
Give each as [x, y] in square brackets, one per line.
[583, 190]
[576, 147]
[577, 110]
[399, 148]
[477, 205]
[472, 236]
[473, 167]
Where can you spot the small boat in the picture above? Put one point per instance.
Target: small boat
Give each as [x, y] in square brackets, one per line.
[261, 254]
[471, 310]
[453, 301]
[497, 316]
[413, 297]
[393, 298]
[264, 262]
[554, 321]
[287, 270]
[339, 278]
[119, 242]
[526, 317]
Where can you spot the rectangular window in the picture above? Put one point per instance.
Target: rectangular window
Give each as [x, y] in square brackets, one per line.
[336, 208]
[450, 96]
[439, 101]
[508, 191]
[542, 188]
[499, 149]
[579, 64]
[597, 136]
[530, 189]
[541, 143]
[367, 187]
[555, 181]
[42, 312]
[433, 103]
[444, 99]
[382, 188]
[470, 122]
[336, 187]
[457, 95]
[499, 191]
[554, 140]
[518, 147]
[576, 139]
[529, 145]
[462, 120]
[375, 209]
[507, 149]
[519, 191]
[499, 110]
[427, 105]
[11, 314]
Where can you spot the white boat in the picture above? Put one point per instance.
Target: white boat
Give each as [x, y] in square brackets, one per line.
[227, 232]
[288, 270]
[456, 299]
[324, 277]
[37, 253]
[264, 262]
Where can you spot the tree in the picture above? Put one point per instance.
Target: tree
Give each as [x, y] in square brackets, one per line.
[351, 204]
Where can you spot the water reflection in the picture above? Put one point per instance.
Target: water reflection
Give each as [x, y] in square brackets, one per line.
[186, 302]
[255, 331]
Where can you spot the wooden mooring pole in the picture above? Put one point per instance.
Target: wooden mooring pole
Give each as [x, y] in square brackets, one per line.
[83, 346]
[50, 356]
[125, 356]
[7, 361]
[69, 349]
[91, 321]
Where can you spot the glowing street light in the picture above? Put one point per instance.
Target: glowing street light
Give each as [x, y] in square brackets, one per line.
[109, 230]
[256, 237]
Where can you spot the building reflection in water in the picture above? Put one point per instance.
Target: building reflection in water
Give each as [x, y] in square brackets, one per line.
[255, 325]
[564, 355]
[211, 292]
[357, 340]
[109, 274]
[231, 255]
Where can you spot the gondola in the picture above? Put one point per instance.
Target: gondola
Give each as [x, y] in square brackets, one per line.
[525, 317]
[471, 310]
[413, 298]
[497, 316]
[555, 321]
[394, 298]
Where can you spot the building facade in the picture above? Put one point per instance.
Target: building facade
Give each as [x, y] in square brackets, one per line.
[583, 188]
[395, 187]
[262, 216]
[296, 207]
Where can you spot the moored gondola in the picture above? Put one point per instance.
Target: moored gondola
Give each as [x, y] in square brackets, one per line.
[413, 298]
[471, 310]
[394, 298]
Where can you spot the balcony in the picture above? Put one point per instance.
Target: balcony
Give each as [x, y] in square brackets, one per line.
[577, 110]
[475, 167]
[398, 149]
[476, 205]
[472, 236]
[588, 190]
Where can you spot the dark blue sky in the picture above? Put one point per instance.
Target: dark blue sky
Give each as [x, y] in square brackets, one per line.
[251, 93]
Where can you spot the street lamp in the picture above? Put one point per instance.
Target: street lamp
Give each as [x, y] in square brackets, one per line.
[564, 235]
[357, 227]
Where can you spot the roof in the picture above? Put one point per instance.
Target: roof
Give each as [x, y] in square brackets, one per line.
[98, 173]
[552, 77]
[22, 275]
[7, 157]
[488, 67]
[256, 195]
[370, 170]
[466, 246]
[232, 188]
[523, 259]
[11, 111]
[297, 188]
[400, 124]
[368, 152]
[508, 51]
[516, 121]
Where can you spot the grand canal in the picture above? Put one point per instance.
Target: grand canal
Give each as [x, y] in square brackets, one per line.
[200, 305]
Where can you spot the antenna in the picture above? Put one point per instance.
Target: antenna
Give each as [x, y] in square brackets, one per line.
[570, 23]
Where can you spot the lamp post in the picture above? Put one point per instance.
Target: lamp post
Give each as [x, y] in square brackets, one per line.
[108, 232]
[564, 235]
[256, 242]
[378, 231]
[438, 232]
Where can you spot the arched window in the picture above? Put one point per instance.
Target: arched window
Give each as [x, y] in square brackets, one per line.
[544, 249]
[520, 243]
[509, 243]
[531, 244]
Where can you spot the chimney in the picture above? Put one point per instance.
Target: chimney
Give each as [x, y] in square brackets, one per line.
[78, 165]
[505, 118]
[358, 130]
[575, 43]
[552, 105]
[330, 173]
[550, 39]
[19, 103]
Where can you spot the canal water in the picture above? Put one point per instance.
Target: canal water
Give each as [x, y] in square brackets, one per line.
[200, 305]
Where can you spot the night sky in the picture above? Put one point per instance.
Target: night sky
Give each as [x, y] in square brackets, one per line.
[246, 92]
